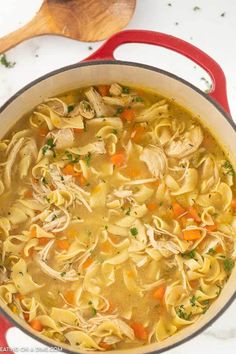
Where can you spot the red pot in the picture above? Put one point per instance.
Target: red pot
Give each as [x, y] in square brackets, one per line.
[100, 68]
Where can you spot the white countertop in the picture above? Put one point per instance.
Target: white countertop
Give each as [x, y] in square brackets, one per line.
[212, 28]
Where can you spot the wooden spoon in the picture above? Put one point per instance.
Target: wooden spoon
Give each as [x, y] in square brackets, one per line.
[86, 20]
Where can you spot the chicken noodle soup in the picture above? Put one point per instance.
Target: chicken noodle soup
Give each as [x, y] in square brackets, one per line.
[117, 218]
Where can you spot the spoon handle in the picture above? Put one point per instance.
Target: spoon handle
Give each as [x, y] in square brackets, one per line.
[39, 25]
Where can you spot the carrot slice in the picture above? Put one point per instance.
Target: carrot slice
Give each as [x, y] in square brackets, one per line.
[87, 263]
[43, 131]
[69, 170]
[151, 206]
[111, 307]
[78, 130]
[19, 296]
[193, 283]
[159, 293]
[103, 90]
[194, 214]
[70, 297]
[33, 232]
[81, 179]
[233, 204]
[128, 114]
[178, 209]
[219, 249]
[63, 244]
[137, 133]
[118, 159]
[211, 227]
[36, 325]
[105, 346]
[140, 331]
[191, 235]
[28, 193]
[43, 240]
[105, 247]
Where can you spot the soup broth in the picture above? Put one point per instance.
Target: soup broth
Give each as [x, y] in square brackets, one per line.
[117, 218]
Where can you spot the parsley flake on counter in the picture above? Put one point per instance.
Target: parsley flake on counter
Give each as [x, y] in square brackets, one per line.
[5, 62]
[196, 8]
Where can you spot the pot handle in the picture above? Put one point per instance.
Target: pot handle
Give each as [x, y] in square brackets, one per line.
[218, 92]
[5, 325]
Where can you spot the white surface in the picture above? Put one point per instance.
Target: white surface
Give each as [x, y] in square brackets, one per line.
[205, 28]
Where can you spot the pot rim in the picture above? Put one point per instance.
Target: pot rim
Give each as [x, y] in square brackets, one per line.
[173, 76]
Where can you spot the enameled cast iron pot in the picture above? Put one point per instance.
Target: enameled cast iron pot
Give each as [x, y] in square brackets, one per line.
[101, 68]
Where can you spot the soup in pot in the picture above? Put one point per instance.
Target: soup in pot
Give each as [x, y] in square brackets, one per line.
[117, 218]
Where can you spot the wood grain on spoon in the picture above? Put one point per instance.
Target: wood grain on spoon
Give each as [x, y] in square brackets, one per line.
[85, 20]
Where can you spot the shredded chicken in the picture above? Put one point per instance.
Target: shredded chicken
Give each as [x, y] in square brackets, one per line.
[155, 159]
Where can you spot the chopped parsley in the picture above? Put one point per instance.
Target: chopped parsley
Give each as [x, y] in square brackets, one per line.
[128, 211]
[90, 302]
[134, 231]
[119, 110]
[70, 108]
[54, 217]
[193, 300]
[196, 8]
[212, 251]
[49, 146]
[223, 14]
[189, 255]
[5, 62]
[87, 158]
[63, 274]
[125, 89]
[44, 181]
[182, 314]
[71, 158]
[229, 168]
[228, 264]
[94, 311]
[114, 131]
[137, 99]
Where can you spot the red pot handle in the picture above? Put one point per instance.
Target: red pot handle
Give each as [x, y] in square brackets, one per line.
[5, 325]
[218, 92]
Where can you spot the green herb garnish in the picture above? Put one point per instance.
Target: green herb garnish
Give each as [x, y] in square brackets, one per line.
[189, 255]
[196, 8]
[49, 146]
[134, 231]
[63, 274]
[114, 131]
[125, 89]
[87, 158]
[193, 300]
[71, 158]
[70, 108]
[119, 110]
[182, 314]
[137, 99]
[228, 264]
[228, 166]
[94, 311]
[212, 251]
[8, 64]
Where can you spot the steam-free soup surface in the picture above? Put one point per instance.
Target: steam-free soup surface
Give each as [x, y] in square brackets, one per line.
[117, 219]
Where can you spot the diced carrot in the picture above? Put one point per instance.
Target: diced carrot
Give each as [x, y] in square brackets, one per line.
[128, 114]
[191, 235]
[69, 296]
[159, 293]
[63, 244]
[103, 90]
[19, 296]
[87, 263]
[233, 204]
[118, 159]
[105, 346]
[33, 232]
[43, 240]
[194, 214]
[78, 130]
[114, 238]
[52, 187]
[178, 209]
[72, 233]
[211, 227]
[43, 131]
[193, 283]
[105, 247]
[137, 133]
[26, 316]
[111, 307]
[219, 249]
[151, 206]
[36, 325]
[140, 331]
[28, 193]
[81, 179]
[69, 170]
